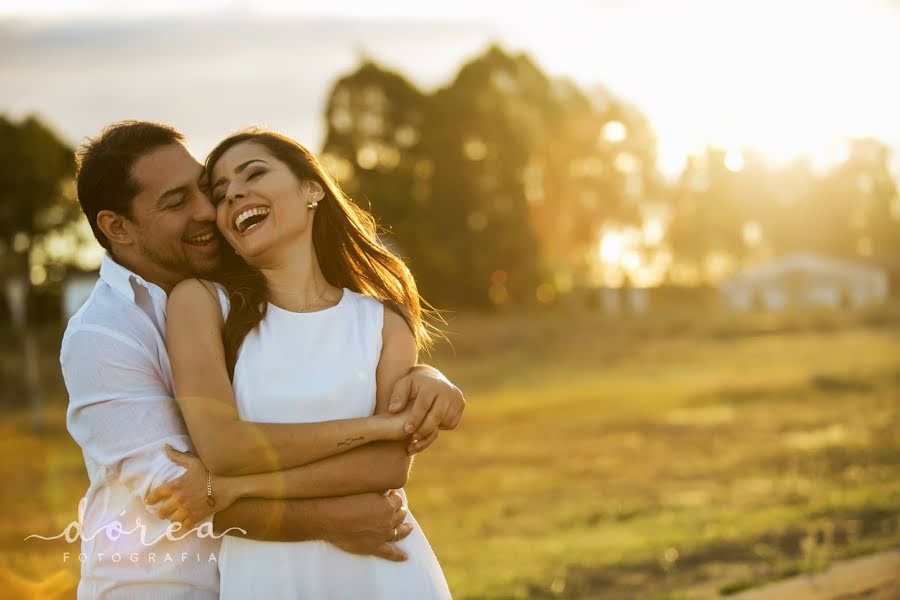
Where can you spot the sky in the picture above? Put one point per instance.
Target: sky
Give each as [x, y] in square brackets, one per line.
[787, 77]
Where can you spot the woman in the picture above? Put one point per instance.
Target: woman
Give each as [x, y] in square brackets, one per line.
[313, 324]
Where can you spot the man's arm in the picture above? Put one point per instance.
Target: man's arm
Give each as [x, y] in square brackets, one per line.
[438, 405]
[120, 411]
[360, 524]
[375, 467]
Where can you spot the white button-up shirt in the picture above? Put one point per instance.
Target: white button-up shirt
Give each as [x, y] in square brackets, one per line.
[122, 412]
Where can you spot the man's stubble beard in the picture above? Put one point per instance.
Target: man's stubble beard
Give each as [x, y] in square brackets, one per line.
[181, 267]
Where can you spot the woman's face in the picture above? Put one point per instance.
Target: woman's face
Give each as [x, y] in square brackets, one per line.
[260, 204]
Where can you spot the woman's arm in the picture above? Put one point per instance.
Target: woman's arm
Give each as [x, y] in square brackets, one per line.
[373, 468]
[227, 445]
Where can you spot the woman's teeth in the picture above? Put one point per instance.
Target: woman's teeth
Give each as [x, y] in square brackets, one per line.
[242, 218]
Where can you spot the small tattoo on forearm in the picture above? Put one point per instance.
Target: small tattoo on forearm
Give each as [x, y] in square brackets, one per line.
[349, 441]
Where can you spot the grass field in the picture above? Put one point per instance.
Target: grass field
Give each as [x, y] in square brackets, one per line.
[604, 460]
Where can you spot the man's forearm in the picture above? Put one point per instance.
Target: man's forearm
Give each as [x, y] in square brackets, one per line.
[296, 520]
[375, 467]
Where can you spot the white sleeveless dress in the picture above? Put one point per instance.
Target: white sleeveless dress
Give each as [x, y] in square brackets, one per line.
[305, 368]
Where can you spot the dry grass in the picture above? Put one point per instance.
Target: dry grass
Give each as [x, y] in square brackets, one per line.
[607, 460]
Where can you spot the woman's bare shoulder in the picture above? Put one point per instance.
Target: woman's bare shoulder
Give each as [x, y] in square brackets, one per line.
[193, 296]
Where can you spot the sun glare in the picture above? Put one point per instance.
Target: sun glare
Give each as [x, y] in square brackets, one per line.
[785, 78]
[611, 246]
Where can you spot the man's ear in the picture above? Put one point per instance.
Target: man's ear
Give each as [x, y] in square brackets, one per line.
[115, 227]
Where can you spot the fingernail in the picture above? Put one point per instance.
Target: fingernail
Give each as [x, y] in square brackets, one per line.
[408, 428]
[394, 406]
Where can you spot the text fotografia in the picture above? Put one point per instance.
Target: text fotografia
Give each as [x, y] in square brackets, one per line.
[114, 531]
[149, 557]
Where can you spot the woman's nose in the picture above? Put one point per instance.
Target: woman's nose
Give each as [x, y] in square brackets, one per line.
[234, 193]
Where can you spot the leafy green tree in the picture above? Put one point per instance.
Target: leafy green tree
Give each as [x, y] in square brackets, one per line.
[596, 163]
[479, 132]
[855, 208]
[36, 190]
[750, 210]
[373, 147]
[493, 182]
[36, 172]
[707, 217]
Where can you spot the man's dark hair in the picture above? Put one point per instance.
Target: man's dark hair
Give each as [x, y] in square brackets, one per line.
[105, 181]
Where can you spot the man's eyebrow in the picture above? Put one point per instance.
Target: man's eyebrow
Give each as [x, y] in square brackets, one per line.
[238, 169]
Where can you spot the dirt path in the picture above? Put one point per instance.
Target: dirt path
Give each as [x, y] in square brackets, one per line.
[874, 577]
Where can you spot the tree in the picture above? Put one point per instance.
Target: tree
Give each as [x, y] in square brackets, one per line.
[479, 133]
[726, 206]
[742, 208]
[373, 148]
[494, 182]
[595, 164]
[36, 172]
[856, 209]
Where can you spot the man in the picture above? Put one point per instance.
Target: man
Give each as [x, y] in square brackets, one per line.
[143, 195]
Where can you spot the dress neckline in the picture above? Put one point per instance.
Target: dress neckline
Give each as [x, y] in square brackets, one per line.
[344, 297]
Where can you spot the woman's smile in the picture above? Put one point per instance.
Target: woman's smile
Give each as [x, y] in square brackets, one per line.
[248, 219]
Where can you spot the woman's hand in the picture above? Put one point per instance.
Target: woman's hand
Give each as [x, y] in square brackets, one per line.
[391, 426]
[184, 500]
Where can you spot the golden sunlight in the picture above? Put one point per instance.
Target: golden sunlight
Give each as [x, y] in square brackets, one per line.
[787, 79]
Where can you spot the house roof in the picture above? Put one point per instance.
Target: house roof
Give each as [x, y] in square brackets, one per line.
[807, 263]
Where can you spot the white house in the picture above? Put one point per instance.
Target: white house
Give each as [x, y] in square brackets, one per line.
[805, 280]
[614, 301]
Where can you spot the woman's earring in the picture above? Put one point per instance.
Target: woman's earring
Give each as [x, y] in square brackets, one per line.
[313, 203]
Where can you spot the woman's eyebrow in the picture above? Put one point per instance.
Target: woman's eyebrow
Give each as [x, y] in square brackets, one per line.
[238, 169]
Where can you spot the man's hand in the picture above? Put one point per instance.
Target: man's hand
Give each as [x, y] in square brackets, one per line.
[368, 524]
[438, 404]
[184, 500]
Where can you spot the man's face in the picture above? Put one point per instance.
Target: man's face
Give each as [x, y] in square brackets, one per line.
[174, 221]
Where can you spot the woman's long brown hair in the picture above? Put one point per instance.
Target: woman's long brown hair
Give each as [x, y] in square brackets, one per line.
[349, 252]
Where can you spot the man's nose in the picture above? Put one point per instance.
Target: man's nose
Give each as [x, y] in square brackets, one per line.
[205, 210]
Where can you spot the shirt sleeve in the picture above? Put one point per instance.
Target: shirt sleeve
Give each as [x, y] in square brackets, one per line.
[120, 410]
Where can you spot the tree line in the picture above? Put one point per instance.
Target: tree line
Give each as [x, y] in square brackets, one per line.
[508, 186]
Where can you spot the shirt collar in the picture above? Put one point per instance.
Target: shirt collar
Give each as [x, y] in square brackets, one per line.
[123, 280]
